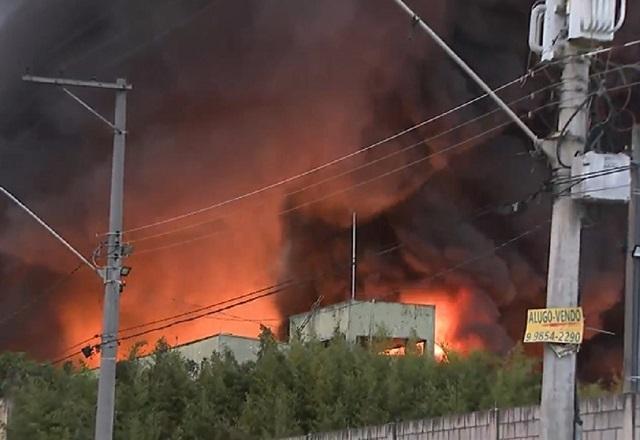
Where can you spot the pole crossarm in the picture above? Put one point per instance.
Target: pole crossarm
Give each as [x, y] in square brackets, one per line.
[469, 71]
[49, 229]
[76, 83]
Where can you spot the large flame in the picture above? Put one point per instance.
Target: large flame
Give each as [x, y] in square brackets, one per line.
[452, 309]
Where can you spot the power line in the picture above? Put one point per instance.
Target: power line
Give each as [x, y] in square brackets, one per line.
[237, 318]
[180, 243]
[374, 178]
[244, 299]
[360, 184]
[392, 154]
[368, 163]
[272, 290]
[345, 173]
[357, 185]
[269, 293]
[65, 358]
[34, 300]
[207, 313]
[322, 166]
[357, 152]
[281, 285]
[342, 191]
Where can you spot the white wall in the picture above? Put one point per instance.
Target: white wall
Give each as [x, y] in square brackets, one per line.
[4, 418]
[607, 418]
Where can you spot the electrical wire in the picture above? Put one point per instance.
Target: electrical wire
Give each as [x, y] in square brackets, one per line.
[269, 293]
[322, 166]
[175, 244]
[231, 317]
[282, 285]
[429, 279]
[439, 274]
[590, 175]
[393, 171]
[364, 149]
[65, 358]
[369, 163]
[34, 300]
[588, 191]
[484, 255]
[362, 183]
[255, 295]
[202, 315]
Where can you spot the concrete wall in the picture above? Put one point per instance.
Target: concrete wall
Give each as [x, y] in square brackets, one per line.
[365, 318]
[607, 418]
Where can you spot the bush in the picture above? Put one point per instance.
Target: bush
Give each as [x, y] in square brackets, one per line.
[308, 387]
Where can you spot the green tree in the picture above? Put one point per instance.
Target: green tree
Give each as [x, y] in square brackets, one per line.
[54, 403]
[268, 411]
[307, 386]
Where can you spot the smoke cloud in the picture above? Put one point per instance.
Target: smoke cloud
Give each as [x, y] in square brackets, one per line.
[229, 97]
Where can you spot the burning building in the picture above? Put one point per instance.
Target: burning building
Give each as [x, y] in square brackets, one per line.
[243, 349]
[230, 97]
[364, 321]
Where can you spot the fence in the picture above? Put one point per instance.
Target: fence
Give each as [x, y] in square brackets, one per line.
[607, 418]
[4, 417]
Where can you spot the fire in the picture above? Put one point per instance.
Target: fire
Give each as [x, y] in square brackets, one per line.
[401, 350]
[452, 308]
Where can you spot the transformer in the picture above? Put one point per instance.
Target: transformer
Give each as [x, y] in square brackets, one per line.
[601, 177]
[585, 23]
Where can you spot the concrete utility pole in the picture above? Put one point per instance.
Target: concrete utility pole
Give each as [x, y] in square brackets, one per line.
[112, 277]
[560, 31]
[632, 281]
[112, 274]
[559, 373]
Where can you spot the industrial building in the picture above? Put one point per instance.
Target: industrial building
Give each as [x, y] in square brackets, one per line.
[363, 321]
[360, 322]
[243, 349]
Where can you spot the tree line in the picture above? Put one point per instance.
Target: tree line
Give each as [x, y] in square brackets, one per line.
[307, 387]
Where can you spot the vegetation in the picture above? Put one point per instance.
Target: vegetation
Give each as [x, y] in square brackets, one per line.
[308, 387]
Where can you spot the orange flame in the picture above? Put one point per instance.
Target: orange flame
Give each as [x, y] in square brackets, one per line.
[451, 309]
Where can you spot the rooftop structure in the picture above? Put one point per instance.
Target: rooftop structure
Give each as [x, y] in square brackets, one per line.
[244, 349]
[361, 321]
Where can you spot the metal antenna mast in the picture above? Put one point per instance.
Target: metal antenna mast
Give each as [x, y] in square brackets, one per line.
[353, 257]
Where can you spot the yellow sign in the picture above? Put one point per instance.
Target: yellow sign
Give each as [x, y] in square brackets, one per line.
[557, 326]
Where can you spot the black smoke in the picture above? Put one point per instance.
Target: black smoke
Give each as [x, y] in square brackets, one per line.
[232, 96]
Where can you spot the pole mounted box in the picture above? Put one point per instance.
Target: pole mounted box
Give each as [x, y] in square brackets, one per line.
[601, 177]
[595, 20]
[584, 23]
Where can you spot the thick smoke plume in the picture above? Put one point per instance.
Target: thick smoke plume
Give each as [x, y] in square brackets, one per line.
[231, 96]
